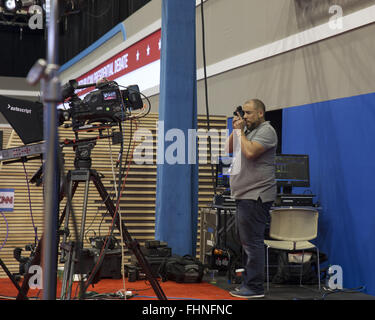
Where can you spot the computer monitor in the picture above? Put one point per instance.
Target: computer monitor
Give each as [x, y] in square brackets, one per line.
[222, 171]
[292, 170]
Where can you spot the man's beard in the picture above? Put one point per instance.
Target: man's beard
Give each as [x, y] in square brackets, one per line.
[252, 125]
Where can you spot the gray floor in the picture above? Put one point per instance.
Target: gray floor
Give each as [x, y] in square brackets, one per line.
[295, 292]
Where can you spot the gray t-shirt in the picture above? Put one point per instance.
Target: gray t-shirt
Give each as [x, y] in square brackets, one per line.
[256, 178]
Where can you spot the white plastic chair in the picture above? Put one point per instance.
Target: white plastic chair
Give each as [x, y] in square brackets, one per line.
[292, 228]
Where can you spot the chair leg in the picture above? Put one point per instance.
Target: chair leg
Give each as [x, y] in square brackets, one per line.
[268, 274]
[318, 266]
[301, 268]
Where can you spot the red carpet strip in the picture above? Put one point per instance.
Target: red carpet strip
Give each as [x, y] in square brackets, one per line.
[140, 289]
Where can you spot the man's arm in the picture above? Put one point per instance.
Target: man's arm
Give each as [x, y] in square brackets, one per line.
[229, 144]
[250, 149]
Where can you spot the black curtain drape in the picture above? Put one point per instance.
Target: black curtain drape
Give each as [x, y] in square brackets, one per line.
[19, 50]
[80, 25]
[79, 29]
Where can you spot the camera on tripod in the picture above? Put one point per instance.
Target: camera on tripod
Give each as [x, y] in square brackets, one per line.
[107, 104]
[24, 262]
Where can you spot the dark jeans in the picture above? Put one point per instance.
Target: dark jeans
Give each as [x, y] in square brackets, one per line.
[252, 217]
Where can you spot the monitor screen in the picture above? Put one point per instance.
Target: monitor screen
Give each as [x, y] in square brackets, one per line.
[292, 170]
[222, 171]
[25, 117]
[109, 95]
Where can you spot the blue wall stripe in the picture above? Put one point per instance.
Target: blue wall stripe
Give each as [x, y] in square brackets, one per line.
[119, 28]
[342, 177]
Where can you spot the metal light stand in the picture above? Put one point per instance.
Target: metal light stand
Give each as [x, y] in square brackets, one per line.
[47, 72]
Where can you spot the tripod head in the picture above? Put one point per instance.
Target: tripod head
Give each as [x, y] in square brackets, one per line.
[83, 147]
[82, 158]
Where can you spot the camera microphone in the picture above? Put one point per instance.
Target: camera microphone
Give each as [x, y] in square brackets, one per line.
[84, 86]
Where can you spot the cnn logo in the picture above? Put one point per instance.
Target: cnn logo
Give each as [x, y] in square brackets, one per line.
[6, 200]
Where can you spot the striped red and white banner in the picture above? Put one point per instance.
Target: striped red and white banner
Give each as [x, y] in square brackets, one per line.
[143, 56]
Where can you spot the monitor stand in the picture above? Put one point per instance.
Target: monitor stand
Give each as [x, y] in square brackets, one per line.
[284, 190]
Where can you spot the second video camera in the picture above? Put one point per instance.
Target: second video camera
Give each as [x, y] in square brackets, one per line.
[239, 112]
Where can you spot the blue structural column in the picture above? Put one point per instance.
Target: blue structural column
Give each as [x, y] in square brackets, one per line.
[177, 169]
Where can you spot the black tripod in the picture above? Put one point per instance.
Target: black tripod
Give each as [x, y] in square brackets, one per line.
[11, 277]
[71, 251]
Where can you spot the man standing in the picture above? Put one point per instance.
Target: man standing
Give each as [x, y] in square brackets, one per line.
[254, 189]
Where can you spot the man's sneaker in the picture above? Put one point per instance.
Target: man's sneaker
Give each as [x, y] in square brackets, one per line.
[245, 293]
[239, 287]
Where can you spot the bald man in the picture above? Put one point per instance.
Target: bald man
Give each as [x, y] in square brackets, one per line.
[254, 189]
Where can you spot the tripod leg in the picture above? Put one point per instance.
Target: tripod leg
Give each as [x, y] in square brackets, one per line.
[84, 210]
[66, 226]
[37, 257]
[11, 277]
[66, 281]
[75, 249]
[131, 244]
[67, 250]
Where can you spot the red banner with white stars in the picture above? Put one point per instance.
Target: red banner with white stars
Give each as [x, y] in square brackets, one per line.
[136, 56]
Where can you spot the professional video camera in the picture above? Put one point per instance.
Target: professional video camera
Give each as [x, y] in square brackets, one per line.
[107, 104]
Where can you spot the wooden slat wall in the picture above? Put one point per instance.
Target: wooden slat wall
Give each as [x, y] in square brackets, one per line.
[137, 203]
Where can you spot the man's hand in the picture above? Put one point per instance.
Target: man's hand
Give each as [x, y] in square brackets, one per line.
[251, 149]
[238, 123]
